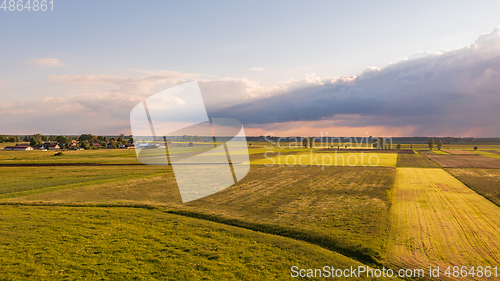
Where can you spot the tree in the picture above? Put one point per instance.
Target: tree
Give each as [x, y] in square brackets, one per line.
[398, 147]
[34, 142]
[439, 143]
[431, 144]
[85, 144]
[85, 137]
[475, 148]
[305, 142]
[131, 138]
[62, 140]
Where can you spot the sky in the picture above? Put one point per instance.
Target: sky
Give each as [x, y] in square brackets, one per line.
[338, 68]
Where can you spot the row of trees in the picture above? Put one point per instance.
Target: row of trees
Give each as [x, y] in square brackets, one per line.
[187, 138]
[10, 139]
[439, 144]
[37, 139]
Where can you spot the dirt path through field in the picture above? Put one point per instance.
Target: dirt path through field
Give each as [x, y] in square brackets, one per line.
[438, 221]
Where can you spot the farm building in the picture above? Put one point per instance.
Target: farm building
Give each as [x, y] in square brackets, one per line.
[18, 147]
[54, 146]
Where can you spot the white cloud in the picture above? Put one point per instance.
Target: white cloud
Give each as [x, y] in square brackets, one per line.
[46, 62]
[256, 69]
[137, 85]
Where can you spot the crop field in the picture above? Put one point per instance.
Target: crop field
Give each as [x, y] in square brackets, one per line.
[465, 161]
[459, 152]
[488, 154]
[100, 156]
[415, 160]
[484, 181]
[18, 181]
[330, 159]
[438, 221]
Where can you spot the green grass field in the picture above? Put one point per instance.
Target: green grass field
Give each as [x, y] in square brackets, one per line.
[100, 156]
[19, 181]
[415, 160]
[47, 243]
[341, 208]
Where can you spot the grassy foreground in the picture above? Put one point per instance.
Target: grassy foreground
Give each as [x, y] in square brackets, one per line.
[47, 243]
[345, 209]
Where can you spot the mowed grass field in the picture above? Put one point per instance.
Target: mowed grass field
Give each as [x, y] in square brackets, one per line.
[345, 209]
[484, 181]
[416, 160]
[21, 181]
[99, 156]
[465, 161]
[438, 221]
[60, 243]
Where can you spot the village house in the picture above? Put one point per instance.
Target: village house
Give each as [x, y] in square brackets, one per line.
[53, 146]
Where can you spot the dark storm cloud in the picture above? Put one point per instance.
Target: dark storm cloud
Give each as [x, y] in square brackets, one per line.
[446, 89]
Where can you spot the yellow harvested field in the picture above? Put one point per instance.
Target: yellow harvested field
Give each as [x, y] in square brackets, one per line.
[438, 221]
[330, 159]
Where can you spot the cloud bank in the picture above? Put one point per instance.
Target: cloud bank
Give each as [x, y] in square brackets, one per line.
[441, 93]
